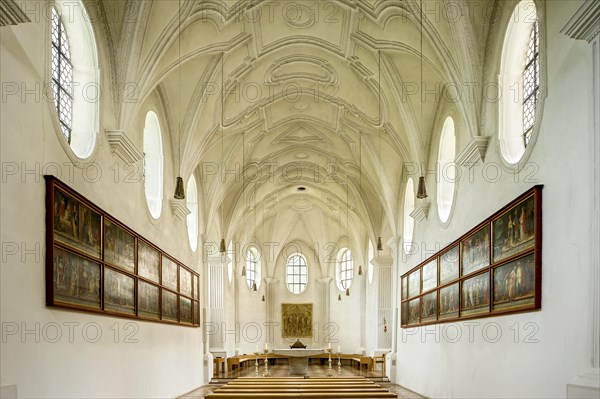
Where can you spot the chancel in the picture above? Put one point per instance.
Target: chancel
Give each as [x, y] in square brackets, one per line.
[336, 198]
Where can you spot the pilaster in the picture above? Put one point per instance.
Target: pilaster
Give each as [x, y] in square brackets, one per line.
[585, 25]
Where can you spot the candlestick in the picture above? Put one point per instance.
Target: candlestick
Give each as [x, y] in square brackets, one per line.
[339, 349]
[329, 345]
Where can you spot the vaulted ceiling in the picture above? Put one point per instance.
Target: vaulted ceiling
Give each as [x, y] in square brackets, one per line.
[301, 104]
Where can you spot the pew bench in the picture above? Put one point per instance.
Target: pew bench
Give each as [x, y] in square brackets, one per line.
[356, 387]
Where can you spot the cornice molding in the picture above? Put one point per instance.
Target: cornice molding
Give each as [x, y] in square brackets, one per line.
[11, 14]
[473, 151]
[179, 208]
[421, 211]
[585, 23]
[123, 147]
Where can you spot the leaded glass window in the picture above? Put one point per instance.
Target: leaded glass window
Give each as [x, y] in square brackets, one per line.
[296, 274]
[531, 83]
[62, 75]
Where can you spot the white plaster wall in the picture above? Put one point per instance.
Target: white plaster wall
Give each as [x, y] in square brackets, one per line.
[537, 353]
[346, 316]
[128, 358]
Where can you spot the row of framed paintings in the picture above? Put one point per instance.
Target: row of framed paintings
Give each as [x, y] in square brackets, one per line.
[494, 268]
[96, 263]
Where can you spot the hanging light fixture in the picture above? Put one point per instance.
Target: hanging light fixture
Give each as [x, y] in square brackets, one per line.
[379, 243]
[339, 297]
[360, 181]
[263, 298]
[243, 270]
[254, 287]
[347, 291]
[179, 190]
[421, 189]
[222, 247]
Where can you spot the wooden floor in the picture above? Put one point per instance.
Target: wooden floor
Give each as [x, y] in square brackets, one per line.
[316, 371]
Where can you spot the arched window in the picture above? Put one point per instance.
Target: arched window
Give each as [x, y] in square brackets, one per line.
[153, 164]
[519, 82]
[253, 268]
[446, 178]
[75, 75]
[191, 200]
[296, 275]
[370, 265]
[345, 272]
[409, 206]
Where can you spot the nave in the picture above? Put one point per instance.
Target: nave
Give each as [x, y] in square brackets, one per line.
[316, 375]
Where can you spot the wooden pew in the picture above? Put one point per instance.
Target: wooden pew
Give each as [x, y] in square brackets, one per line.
[285, 388]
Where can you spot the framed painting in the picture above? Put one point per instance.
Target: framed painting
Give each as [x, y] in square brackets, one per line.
[95, 263]
[185, 282]
[413, 311]
[76, 280]
[476, 251]
[297, 320]
[169, 273]
[75, 224]
[514, 284]
[148, 261]
[476, 294]
[148, 304]
[185, 310]
[414, 281]
[119, 292]
[196, 310]
[119, 246]
[196, 293]
[429, 273]
[514, 231]
[449, 265]
[429, 306]
[169, 305]
[449, 301]
[494, 268]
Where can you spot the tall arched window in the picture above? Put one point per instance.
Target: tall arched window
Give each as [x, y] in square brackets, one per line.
[519, 82]
[253, 269]
[345, 270]
[370, 265]
[296, 275]
[446, 178]
[153, 164]
[62, 75]
[75, 75]
[409, 207]
[191, 200]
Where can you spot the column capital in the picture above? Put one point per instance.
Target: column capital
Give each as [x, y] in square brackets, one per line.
[325, 280]
[218, 260]
[394, 242]
[382, 261]
[270, 280]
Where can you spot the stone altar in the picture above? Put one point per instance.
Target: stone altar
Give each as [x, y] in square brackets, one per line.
[298, 359]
